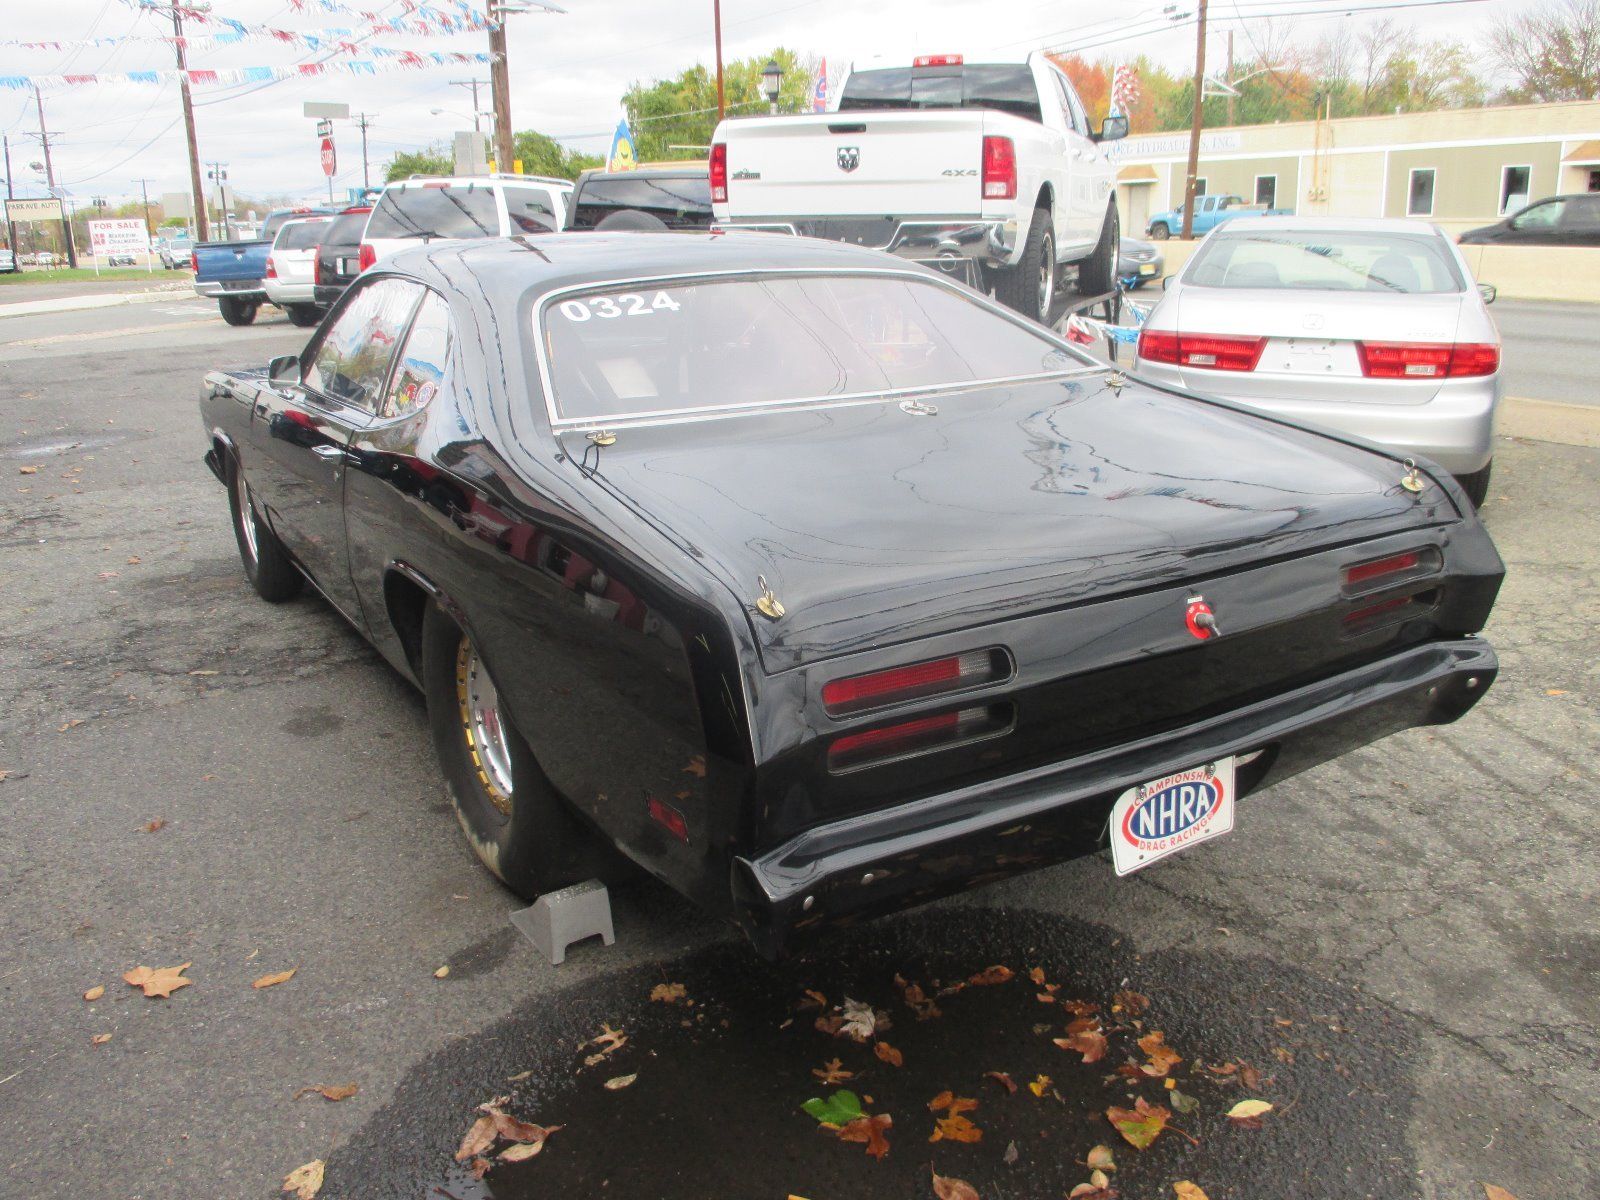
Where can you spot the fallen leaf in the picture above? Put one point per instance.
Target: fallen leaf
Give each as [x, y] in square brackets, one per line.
[608, 1041]
[204, 672]
[513, 1130]
[479, 1167]
[1080, 1008]
[1011, 1154]
[832, 1072]
[1036, 974]
[946, 1188]
[669, 993]
[956, 1128]
[1040, 1085]
[442, 972]
[1182, 1102]
[1003, 1079]
[1085, 1037]
[1249, 1076]
[275, 978]
[329, 1091]
[133, 560]
[72, 724]
[1247, 1110]
[861, 1021]
[1088, 1191]
[1547, 692]
[839, 1109]
[1225, 1070]
[1100, 1159]
[479, 1138]
[1133, 1003]
[1098, 1179]
[871, 1131]
[1491, 1192]
[156, 825]
[1188, 1191]
[1162, 1056]
[991, 975]
[158, 982]
[306, 1181]
[888, 1054]
[813, 999]
[1141, 1124]
[520, 1151]
[100, 1039]
[27, 470]
[697, 766]
[916, 1001]
[95, 992]
[620, 1082]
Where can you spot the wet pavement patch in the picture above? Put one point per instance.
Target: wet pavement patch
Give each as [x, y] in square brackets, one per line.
[715, 1108]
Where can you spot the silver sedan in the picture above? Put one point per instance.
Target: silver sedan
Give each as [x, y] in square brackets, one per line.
[1367, 327]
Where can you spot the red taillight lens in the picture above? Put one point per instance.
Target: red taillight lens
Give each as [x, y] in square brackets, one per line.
[999, 168]
[194, 261]
[719, 173]
[871, 747]
[1210, 351]
[1427, 360]
[272, 268]
[1381, 613]
[1379, 573]
[316, 269]
[937, 60]
[369, 256]
[668, 817]
[935, 677]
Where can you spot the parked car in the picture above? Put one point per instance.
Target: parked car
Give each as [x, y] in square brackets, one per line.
[423, 209]
[177, 253]
[1371, 327]
[1209, 212]
[339, 254]
[1559, 221]
[290, 281]
[987, 169]
[47, 258]
[818, 584]
[235, 272]
[121, 258]
[8, 261]
[1139, 263]
[671, 195]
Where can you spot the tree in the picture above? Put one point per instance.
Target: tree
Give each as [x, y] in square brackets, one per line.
[1552, 51]
[682, 111]
[543, 155]
[431, 160]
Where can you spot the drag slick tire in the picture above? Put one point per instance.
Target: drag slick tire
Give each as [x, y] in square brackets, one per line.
[1476, 485]
[516, 821]
[267, 564]
[238, 312]
[303, 315]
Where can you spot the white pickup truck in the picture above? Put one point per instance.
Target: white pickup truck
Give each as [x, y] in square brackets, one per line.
[986, 169]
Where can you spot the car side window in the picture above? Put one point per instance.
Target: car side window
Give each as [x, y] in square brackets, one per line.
[1540, 216]
[1071, 106]
[1583, 214]
[420, 369]
[352, 360]
[531, 210]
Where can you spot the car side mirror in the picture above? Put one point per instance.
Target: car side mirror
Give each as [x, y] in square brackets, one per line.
[1488, 291]
[1165, 279]
[1113, 128]
[285, 368]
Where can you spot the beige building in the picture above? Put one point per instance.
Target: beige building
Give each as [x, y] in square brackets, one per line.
[1459, 168]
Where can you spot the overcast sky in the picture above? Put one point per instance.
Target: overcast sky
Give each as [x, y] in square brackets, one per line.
[568, 72]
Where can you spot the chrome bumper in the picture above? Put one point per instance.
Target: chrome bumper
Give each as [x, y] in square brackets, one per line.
[214, 290]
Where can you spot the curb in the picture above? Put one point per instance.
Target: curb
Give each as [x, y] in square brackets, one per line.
[32, 308]
[1549, 421]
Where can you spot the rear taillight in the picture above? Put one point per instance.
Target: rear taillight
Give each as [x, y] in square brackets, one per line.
[272, 268]
[922, 735]
[369, 256]
[937, 60]
[1379, 573]
[1213, 352]
[316, 269]
[999, 168]
[1427, 360]
[194, 261]
[916, 681]
[719, 173]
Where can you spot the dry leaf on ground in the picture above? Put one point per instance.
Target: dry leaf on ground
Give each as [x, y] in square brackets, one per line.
[520, 1151]
[870, 1130]
[916, 1000]
[306, 1181]
[156, 825]
[1491, 1192]
[1040, 1085]
[861, 1021]
[442, 972]
[1036, 974]
[479, 1138]
[669, 993]
[608, 1040]
[275, 978]
[991, 975]
[619, 1082]
[158, 981]
[946, 1188]
[697, 766]
[1085, 1037]
[1003, 1079]
[1100, 1159]
[100, 1039]
[1130, 1002]
[95, 992]
[1162, 1056]
[329, 1091]
[954, 1125]
[1247, 1110]
[1141, 1124]
[889, 1054]
[833, 1072]
[1188, 1191]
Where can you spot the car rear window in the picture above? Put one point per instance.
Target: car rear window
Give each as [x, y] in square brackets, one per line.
[345, 229]
[1004, 87]
[301, 235]
[674, 347]
[672, 198]
[453, 211]
[1325, 260]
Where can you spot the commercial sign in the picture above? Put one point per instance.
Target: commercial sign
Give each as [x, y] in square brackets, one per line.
[120, 236]
[1174, 145]
[21, 211]
[317, 108]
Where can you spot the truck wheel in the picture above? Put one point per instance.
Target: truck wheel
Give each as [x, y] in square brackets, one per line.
[1029, 286]
[267, 564]
[1476, 485]
[516, 821]
[1159, 232]
[1097, 274]
[303, 314]
[237, 312]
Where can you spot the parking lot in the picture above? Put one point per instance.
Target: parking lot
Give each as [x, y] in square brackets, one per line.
[1398, 950]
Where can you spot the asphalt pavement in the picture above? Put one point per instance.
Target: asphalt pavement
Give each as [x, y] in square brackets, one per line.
[1400, 946]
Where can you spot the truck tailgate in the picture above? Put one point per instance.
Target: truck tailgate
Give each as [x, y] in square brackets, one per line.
[856, 163]
[219, 262]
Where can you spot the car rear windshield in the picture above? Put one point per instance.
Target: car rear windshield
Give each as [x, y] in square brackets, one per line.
[301, 235]
[1326, 261]
[672, 198]
[452, 211]
[672, 348]
[1004, 87]
[345, 230]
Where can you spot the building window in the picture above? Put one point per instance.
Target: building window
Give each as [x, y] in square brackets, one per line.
[1199, 185]
[1594, 180]
[1514, 185]
[1267, 190]
[1419, 201]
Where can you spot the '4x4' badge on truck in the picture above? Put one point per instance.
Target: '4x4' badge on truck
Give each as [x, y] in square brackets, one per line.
[849, 157]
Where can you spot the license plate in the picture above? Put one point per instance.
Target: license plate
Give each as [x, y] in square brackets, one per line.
[347, 266]
[1147, 268]
[239, 285]
[1172, 813]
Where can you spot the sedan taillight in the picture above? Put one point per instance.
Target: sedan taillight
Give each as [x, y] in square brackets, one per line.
[369, 256]
[719, 173]
[272, 268]
[1211, 351]
[1427, 360]
[916, 681]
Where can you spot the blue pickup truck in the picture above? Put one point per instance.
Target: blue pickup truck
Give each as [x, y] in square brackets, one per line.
[1209, 212]
[232, 272]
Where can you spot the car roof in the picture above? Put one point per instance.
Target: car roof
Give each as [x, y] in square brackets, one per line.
[1328, 224]
[479, 180]
[984, 58]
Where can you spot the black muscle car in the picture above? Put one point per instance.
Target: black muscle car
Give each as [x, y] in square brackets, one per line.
[818, 585]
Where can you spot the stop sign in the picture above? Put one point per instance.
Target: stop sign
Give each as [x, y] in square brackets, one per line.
[329, 162]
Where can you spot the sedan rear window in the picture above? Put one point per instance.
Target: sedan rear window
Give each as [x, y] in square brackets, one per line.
[1003, 87]
[649, 350]
[448, 212]
[1326, 261]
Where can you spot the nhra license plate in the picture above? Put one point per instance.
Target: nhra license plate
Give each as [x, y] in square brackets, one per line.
[1147, 268]
[1172, 813]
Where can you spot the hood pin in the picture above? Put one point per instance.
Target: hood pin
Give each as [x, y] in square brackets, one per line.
[1412, 480]
[768, 604]
[603, 437]
[1116, 380]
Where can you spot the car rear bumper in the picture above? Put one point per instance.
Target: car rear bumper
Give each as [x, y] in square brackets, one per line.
[958, 246]
[250, 290]
[1454, 429]
[291, 293]
[891, 859]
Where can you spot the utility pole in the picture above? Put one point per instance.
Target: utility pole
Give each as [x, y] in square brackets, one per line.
[1192, 171]
[11, 230]
[144, 195]
[1228, 78]
[716, 17]
[362, 121]
[500, 88]
[474, 84]
[50, 176]
[188, 125]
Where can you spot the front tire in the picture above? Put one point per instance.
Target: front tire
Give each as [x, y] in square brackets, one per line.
[1476, 485]
[267, 564]
[1159, 232]
[1098, 273]
[1029, 286]
[303, 315]
[518, 824]
[237, 312]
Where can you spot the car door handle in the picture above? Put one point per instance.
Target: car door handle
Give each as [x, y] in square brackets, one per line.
[331, 453]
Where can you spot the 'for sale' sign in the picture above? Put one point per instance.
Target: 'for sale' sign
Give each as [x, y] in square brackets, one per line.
[120, 236]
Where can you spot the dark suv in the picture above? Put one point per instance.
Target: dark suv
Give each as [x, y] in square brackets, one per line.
[339, 255]
[677, 194]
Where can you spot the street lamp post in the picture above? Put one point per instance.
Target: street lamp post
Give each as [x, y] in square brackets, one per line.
[771, 82]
